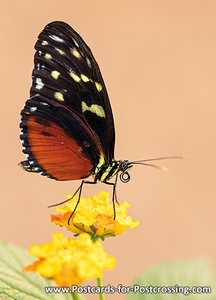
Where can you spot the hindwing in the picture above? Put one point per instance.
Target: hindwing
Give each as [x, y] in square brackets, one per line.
[57, 142]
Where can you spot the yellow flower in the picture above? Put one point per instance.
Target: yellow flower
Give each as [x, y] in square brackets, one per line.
[70, 260]
[94, 216]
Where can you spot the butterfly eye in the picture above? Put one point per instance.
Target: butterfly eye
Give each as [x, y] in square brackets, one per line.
[125, 177]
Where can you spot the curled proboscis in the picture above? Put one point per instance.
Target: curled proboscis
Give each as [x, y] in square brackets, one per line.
[125, 177]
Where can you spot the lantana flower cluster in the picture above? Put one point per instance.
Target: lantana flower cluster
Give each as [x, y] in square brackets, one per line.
[70, 261]
[95, 216]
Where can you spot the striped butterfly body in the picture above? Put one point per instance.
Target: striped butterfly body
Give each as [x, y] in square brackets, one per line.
[67, 127]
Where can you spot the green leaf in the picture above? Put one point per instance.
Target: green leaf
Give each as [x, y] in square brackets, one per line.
[186, 273]
[15, 284]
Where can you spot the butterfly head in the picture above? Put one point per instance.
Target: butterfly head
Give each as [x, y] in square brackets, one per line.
[124, 166]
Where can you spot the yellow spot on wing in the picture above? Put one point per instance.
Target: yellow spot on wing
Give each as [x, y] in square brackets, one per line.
[101, 161]
[84, 78]
[98, 86]
[55, 74]
[84, 107]
[88, 62]
[94, 108]
[98, 110]
[48, 56]
[75, 53]
[74, 76]
[59, 96]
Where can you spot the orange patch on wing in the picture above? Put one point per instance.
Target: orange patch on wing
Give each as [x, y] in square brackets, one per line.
[57, 153]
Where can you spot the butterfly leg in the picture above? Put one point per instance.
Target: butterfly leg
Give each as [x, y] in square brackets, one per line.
[114, 197]
[116, 200]
[53, 205]
[80, 191]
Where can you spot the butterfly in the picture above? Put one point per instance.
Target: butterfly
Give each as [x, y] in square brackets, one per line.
[67, 127]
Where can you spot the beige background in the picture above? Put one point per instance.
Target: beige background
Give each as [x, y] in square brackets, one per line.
[158, 59]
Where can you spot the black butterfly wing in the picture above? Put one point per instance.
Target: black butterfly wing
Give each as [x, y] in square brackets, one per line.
[66, 72]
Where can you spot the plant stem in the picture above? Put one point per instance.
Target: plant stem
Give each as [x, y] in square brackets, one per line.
[75, 296]
[101, 295]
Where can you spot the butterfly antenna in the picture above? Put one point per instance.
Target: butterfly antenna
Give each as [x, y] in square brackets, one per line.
[159, 158]
[163, 169]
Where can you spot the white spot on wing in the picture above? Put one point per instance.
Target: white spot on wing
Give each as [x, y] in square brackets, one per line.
[44, 43]
[39, 83]
[75, 42]
[60, 51]
[33, 108]
[56, 38]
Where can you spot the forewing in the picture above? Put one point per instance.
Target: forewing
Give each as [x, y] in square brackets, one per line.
[65, 71]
